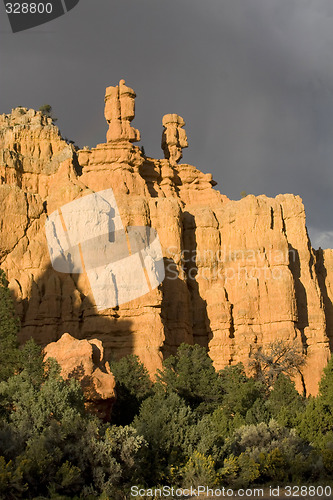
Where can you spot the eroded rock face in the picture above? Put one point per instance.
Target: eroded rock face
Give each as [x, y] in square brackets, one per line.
[268, 286]
[238, 273]
[174, 138]
[84, 361]
[119, 112]
[31, 150]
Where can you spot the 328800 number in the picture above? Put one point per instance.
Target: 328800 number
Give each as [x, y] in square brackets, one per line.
[28, 8]
[308, 491]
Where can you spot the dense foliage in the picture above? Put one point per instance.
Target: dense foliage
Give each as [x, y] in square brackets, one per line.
[133, 385]
[9, 327]
[193, 426]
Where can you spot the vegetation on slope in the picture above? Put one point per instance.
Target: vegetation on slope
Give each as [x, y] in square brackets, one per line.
[193, 426]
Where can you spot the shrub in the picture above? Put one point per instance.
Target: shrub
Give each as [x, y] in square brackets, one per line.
[46, 109]
[284, 402]
[316, 423]
[268, 451]
[164, 421]
[9, 328]
[191, 375]
[133, 385]
[199, 469]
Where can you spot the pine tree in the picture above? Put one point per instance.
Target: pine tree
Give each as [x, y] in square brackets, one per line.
[191, 375]
[316, 423]
[9, 328]
[326, 384]
[285, 404]
[133, 385]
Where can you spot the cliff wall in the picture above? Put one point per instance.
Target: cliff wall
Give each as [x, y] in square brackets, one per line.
[239, 274]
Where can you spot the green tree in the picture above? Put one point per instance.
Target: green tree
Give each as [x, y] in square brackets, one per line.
[46, 109]
[31, 361]
[316, 423]
[269, 451]
[33, 406]
[50, 446]
[284, 402]
[133, 385]
[190, 374]
[208, 434]
[240, 392]
[9, 328]
[164, 421]
[326, 384]
[11, 480]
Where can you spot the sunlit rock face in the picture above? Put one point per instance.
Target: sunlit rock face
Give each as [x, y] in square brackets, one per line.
[84, 361]
[239, 274]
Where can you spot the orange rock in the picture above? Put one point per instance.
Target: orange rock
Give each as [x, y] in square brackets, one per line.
[119, 112]
[238, 273]
[84, 360]
[174, 138]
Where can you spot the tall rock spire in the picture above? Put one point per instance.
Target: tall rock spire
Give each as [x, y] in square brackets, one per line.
[119, 112]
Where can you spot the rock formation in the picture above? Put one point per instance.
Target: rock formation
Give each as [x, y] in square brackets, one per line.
[84, 361]
[238, 273]
[119, 112]
[174, 138]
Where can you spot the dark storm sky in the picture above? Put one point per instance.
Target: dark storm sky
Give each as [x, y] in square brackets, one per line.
[253, 80]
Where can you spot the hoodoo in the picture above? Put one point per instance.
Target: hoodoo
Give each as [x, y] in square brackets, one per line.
[238, 274]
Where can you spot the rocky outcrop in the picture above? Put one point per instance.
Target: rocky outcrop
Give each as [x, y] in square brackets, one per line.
[268, 286]
[174, 138]
[238, 273]
[119, 112]
[84, 361]
[31, 150]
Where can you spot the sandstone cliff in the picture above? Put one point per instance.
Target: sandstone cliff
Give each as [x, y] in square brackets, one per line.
[238, 273]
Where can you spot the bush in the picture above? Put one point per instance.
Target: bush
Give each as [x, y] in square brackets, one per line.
[133, 385]
[9, 328]
[46, 109]
[191, 375]
[199, 469]
[164, 421]
[316, 423]
[266, 451]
